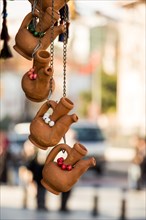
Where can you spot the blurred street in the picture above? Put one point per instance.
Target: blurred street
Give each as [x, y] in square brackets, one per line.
[102, 84]
[100, 198]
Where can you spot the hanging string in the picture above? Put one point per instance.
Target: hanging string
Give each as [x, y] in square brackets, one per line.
[52, 48]
[65, 38]
[5, 52]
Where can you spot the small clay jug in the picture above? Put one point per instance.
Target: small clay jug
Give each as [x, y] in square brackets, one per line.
[26, 42]
[58, 177]
[58, 4]
[47, 130]
[36, 82]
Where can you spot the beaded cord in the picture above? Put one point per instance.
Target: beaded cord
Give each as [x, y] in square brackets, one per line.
[35, 33]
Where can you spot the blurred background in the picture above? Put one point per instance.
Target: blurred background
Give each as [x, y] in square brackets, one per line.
[106, 82]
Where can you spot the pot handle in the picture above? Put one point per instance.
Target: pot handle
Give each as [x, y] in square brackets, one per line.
[53, 153]
[49, 104]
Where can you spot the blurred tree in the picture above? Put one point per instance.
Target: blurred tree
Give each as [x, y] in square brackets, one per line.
[108, 93]
[85, 100]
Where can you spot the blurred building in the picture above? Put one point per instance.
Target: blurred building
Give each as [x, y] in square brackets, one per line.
[131, 68]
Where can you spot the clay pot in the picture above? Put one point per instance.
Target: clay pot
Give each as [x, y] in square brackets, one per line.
[57, 180]
[46, 133]
[37, 89]
[58, 4]
[26, 42]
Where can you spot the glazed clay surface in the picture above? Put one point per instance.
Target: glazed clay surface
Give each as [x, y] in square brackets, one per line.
[57, 180]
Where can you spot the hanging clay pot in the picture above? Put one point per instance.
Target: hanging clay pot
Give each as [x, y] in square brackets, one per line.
[26, 40]
[59, 177]
[36, 82]
[58, 4]
[47, 130]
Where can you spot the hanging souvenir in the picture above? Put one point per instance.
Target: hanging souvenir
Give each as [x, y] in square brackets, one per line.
[26, 40]
[47, 130]
[60, 176]
[36, 82]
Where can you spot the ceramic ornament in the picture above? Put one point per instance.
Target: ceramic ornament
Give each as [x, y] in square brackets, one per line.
[28, 36]
[47, 130]
[60, 176]
[37, 83]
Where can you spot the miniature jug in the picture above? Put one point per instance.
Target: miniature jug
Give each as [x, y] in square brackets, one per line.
[60, 176]
[47, 130]
[26, 40]
[36, 82]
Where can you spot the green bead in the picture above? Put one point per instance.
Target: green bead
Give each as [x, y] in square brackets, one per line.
[32, 30]
[36, 34]
[41, 34]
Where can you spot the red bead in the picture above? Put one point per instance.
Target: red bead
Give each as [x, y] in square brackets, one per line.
[34, 76]
[60, 163]
[69, 167]
[63, 167]
[31, 76]
[60, 159]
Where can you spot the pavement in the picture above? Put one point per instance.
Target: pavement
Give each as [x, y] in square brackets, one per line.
[86, 203]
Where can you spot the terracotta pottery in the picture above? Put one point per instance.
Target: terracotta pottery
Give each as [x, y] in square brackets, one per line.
[36, 82]
[45, 20]
[47, 130]
[58, 4]
[26, 42]
[56, 178]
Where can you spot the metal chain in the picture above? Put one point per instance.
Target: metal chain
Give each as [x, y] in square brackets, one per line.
[65, 50]
[52, 48]
[40, 26]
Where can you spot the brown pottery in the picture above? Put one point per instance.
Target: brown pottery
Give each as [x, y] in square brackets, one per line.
[26, 42]
[57, 179]
[47, 130]
[36, 82]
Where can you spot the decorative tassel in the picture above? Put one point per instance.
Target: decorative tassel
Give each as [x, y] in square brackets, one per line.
[64, 16]
[5, 52]
[4, 32]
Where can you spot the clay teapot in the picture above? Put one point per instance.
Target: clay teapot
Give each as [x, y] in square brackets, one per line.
[26, 41]
[58, 4]
[47, 130]
[60, 176]
[36, 82]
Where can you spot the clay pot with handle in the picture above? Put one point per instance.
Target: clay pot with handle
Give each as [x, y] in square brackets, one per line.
[59, 177]
[36, 82]
[58, 4]
[26, 42]
[47, 130]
